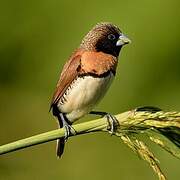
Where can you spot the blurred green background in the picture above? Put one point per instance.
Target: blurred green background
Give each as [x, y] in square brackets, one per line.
[37, 37]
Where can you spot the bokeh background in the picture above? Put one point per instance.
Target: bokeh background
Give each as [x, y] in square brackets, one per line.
[37, 37]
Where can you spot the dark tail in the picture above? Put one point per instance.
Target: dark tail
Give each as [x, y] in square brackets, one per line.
[61, 141]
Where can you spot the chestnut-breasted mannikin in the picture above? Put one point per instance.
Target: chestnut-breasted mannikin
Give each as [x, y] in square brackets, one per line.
[86, 77]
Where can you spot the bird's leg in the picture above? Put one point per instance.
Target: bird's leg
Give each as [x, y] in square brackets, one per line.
[69, 130]
[112, 121]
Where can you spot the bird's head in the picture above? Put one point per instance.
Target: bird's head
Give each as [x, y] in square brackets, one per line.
[105, 37]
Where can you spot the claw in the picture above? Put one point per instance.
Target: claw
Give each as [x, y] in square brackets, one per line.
[69, 130]
[113, 122]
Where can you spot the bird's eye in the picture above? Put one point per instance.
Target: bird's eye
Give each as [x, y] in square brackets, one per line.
[111, 36]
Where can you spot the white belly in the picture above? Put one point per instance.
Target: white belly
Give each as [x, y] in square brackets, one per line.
[83, 95]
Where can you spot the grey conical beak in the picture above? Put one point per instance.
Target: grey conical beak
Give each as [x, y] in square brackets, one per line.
[123, 40]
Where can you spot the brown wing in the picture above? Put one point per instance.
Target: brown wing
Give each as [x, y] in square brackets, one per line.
[83, 62]
[69, 73]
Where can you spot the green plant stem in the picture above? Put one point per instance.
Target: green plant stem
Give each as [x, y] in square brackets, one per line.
[82, 128]
[162, 128]
[130, 121]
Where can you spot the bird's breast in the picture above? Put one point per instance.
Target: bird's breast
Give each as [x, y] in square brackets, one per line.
[83, 94]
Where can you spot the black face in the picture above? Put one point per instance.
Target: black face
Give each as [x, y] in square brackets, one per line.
[107, 44]
[103, 37]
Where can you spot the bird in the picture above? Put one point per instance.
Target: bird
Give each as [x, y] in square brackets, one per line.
[86, 77]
